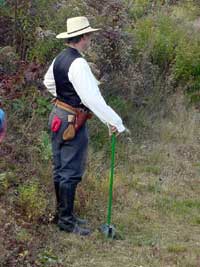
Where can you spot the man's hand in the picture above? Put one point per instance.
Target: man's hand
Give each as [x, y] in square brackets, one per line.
[112, 129]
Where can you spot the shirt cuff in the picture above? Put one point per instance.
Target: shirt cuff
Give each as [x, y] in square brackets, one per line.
[121, 128]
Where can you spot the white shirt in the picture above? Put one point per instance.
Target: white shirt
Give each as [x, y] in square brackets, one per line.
[86, 86]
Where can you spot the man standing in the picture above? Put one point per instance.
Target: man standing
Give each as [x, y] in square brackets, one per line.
[70, 80]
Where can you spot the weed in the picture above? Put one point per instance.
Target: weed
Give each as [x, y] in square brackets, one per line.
[196, 220]
[183, 208]
[23, 235]
[3, 183]
[150, 169]
[157, 38]
[176, 248]
[186, 11]
[43, 106]
[31, 201]
[187, 61]
[18, 105]
[121, 105]
[7, 179]
[138, 8]
[187, 66]
[154, 187]
[48, 257]
[165, 41]
[144, 32]
[145, 239]
[45, 146]
[98, 134]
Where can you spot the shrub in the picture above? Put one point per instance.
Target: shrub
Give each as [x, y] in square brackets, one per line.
[187, 61]
[169, 43]
[32, 201]
[112, 45]
[21, 18]
[166, 37]
[157, 38]
[45, 50]
[143, 33]
[138, 8]
[187, 67]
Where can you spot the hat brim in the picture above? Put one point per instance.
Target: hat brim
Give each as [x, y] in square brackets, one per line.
[65, 35]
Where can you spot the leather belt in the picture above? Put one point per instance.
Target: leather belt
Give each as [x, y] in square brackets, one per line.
[65, 106]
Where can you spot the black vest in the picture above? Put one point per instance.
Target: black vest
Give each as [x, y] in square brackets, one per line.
[64, 88]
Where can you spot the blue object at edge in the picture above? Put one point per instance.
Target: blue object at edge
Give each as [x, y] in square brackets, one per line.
[2, 118]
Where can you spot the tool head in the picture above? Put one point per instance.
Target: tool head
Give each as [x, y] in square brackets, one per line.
[108, 230]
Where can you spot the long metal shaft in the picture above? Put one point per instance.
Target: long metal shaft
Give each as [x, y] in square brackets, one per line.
[113, 141]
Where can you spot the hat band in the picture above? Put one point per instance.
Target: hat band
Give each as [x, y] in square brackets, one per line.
[79, 29]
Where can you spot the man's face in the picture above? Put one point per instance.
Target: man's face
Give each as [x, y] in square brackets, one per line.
[86, 41]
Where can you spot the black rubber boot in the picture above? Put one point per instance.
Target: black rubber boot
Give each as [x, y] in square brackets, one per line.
[70, 227]
[79, 221]
[66, 221]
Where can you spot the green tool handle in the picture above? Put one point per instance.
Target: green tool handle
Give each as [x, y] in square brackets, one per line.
[113, 141]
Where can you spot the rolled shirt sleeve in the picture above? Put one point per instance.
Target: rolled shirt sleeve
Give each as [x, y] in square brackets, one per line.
[49, 80]
[85, 84]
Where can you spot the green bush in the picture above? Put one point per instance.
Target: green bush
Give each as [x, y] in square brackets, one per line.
[157, 38]
[166, 37]
[140, 8]
[171, 44]
[143, 33]
[52, 17]
[43, 106]
[187, 67]
[187, 60]
[32, 201]
[26, 16]
[45, 50]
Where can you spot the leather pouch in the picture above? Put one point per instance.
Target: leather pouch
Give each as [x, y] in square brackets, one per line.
[69, 133]
[81, 118]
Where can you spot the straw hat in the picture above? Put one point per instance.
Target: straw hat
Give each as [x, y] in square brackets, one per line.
[76, 26]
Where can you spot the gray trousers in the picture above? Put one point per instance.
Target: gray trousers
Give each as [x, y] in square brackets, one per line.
[69, 157]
